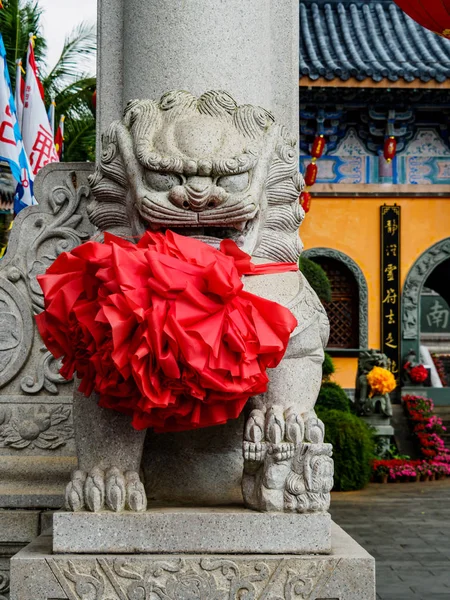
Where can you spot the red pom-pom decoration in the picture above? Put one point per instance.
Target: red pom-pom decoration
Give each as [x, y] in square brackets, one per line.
[163, 330]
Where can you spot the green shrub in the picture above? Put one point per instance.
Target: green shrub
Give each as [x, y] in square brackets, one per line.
[353, 448]
[317, 278]
[327, 367]
[332, 396]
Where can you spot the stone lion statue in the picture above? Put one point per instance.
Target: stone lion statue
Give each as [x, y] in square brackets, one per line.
[208, 168]
[366, 403]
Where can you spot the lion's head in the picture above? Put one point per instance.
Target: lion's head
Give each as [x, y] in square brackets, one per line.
[203, 167]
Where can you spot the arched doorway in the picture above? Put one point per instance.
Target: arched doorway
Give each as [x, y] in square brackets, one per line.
[431, 270]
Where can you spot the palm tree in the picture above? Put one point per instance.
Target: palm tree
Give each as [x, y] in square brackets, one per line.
[18, 19]
[73, 92]
[67, 83]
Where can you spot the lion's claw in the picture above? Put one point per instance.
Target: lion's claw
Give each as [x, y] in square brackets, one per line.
[110, 490]
[255, 452]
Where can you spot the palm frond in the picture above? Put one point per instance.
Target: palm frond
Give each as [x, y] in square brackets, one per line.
[66, 82]
[18, 19]
[80, 44]
[79, 144]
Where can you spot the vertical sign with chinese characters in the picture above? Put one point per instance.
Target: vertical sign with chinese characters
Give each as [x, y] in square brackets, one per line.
[390, 286]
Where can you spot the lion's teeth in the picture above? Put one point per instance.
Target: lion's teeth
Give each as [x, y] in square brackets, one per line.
[241, 225]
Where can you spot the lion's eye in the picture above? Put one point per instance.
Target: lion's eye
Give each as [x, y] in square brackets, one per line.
[162, 182]
[234, 183]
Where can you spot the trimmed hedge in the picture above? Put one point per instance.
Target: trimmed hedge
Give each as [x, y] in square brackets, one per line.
[317, 278]
[353, 448]
[332, 396]
[327, 367]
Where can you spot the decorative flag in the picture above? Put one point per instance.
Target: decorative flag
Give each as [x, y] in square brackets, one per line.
[51, 116]
[11, 145]
[59, 138]
[20, 91]
[36, 131]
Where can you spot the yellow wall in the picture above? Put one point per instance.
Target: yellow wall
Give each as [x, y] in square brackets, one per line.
[352, 225]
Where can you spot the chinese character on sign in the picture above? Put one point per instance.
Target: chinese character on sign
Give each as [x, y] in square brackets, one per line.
[393, 367]
[389, 341]
[389, 270]
[438, 315]
[43, 151]
[391, 226]
[390, 317]
[391, 250]
[391, 297]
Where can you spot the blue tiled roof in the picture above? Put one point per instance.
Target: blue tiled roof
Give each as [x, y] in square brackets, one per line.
[368, 39]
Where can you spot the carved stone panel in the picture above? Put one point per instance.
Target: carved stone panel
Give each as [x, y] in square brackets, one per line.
[37, 448]
[40, 233]
[348, 574]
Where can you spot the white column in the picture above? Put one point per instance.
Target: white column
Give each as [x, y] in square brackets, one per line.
[247, 47]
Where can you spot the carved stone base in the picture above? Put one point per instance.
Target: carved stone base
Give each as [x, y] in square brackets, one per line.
[192, 530]
[347, 574]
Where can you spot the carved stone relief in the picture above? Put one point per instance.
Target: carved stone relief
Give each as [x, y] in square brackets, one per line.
[415, 280]
[4, 586]
[360, 280]
[35, 427]
[15, 322]
[40, 234]
[196, 578]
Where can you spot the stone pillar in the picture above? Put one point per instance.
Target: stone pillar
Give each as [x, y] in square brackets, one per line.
[247, 47]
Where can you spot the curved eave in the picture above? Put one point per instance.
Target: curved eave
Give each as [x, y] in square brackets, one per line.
[306, 82]
[369, 42]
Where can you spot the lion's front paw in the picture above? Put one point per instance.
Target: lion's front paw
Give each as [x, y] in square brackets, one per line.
[111, 490]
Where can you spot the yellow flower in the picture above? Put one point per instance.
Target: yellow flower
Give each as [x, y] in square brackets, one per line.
[381, 381]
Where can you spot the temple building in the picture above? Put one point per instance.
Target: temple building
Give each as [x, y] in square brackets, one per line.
[376, 86]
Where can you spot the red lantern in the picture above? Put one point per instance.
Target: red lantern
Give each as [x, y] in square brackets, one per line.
[390, 148]
[318, 146]
[433, 14]
[94, 99]
[305, 201]
[311, 174]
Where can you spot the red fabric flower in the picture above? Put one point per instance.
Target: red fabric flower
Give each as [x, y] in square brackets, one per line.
[163, 330]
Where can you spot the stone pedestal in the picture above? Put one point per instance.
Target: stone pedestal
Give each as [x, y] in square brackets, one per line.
[202, 530]
[384, 432]
[348, 573]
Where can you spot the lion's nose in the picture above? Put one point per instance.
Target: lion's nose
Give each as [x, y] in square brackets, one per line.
[199, 185]
[198, 191]
[197, 198]
[197, 194]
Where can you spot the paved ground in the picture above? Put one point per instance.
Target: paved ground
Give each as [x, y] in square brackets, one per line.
[406, 527]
